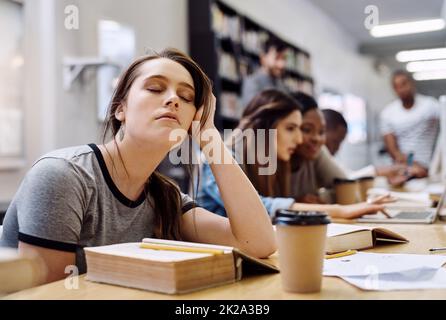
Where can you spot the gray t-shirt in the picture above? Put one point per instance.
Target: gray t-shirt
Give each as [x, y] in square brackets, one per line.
[319, 173]
[257, 82]
[68, 201]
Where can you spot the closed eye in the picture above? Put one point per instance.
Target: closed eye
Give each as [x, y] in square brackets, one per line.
[156, 90]
[187, 100]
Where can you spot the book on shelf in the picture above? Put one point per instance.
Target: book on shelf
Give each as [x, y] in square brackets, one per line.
[342, 237]
[169, 266]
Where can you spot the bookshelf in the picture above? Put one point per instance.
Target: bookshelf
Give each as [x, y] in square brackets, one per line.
[227, 45]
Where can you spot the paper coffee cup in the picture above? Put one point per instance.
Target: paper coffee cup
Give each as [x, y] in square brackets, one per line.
[301, 238]
[347, 191]
[365, 184]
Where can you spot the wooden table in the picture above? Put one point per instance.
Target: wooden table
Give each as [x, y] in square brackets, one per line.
[264, 287]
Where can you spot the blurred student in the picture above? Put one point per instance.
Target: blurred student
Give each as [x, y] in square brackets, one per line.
[410, 124]
[273, 109]
[313, 167]
[336, 131]
[94, 195]
[270, 73]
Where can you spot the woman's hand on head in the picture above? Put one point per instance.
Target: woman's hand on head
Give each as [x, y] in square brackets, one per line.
[209, 124]
[197, 129]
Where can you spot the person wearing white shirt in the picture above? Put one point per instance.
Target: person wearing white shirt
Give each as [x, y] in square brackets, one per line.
[336, 132]
[410, 124]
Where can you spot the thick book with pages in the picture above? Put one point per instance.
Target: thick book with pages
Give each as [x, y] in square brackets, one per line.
[168, 266]
[342, 237]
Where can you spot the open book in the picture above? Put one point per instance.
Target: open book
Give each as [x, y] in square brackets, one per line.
[342, 237]
[168, 271]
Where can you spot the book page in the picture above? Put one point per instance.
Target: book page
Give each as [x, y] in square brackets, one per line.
[133, 250]
[336, 229]
[382, 234]
[260, 262]
[188, 244]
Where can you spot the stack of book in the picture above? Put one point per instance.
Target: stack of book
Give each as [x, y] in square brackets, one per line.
[168, 266]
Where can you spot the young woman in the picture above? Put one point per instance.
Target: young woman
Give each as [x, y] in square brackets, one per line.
[98, 195]
[272, 109]
[312, 165]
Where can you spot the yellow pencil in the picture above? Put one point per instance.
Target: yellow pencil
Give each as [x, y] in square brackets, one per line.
[340, 254]
[154, 246]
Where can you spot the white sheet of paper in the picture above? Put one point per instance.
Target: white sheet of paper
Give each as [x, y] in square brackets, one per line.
[366, 264]
[423, 278]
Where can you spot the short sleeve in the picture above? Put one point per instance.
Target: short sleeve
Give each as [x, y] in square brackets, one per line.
[385, 123]
[435, 108]
[50, 204]
[328, 169]
[187, 203]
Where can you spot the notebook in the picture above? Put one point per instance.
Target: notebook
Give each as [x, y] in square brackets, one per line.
[342, 237]
[166, 271]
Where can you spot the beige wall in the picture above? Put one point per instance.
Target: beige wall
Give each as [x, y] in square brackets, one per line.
[55, 118]
[157, 24]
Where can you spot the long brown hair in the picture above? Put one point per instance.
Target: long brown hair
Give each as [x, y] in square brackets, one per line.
[264, 111]
[165, 194]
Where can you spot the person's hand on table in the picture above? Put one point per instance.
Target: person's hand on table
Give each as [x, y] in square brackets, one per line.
[391, 170]
[358, 210]
[417, 171]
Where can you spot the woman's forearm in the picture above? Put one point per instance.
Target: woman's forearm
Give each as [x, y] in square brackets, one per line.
[250, 222]
[331, 209]
[351, 211]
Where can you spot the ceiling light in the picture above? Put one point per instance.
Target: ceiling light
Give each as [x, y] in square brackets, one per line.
[423, 54]
[430, 75]
[431, 65]
[396, 29]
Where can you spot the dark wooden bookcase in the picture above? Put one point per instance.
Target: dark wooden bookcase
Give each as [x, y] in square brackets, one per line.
[227, 45]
